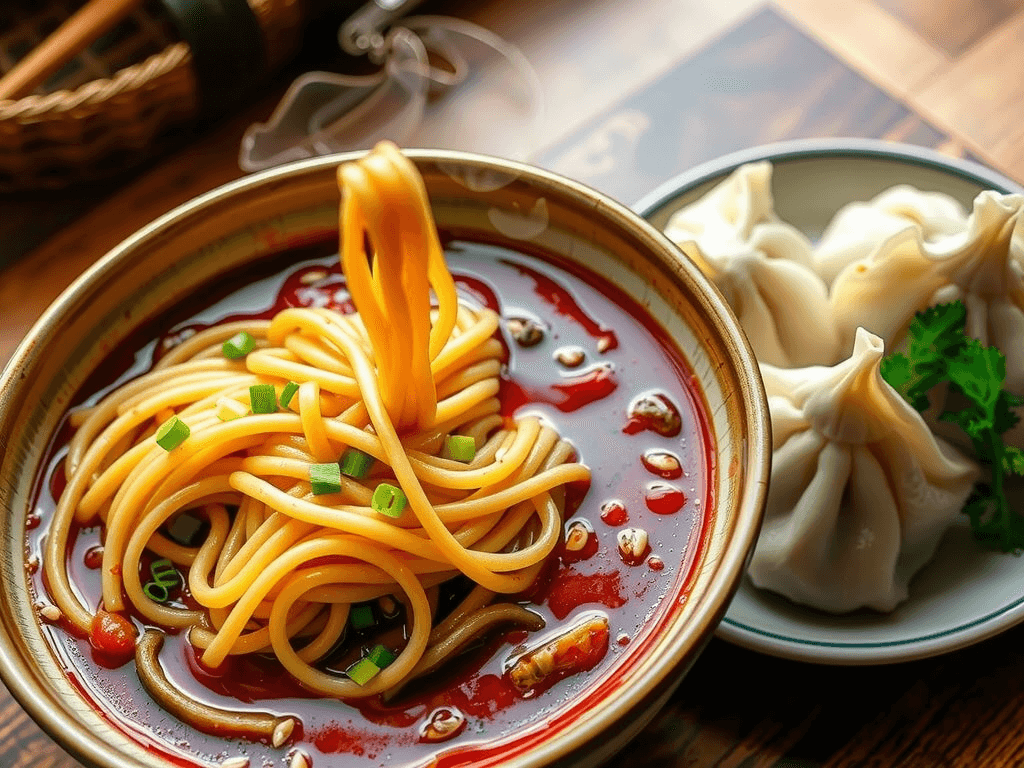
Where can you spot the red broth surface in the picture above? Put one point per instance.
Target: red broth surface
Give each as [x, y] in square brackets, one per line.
[626, 355]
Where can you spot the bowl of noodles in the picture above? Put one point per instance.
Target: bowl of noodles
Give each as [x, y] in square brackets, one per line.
[471, 483]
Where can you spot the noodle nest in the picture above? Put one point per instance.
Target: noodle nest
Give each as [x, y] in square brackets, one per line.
[278, 566]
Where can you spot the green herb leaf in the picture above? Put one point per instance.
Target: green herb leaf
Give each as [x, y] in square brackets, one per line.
[1005, 417]
[936, 333]
[897, 370]
[979, 372]
[1013, 460]
[940, 352]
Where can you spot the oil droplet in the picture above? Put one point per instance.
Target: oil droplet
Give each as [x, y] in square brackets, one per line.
[663, 464]
[442, 724]
[93, 557]
[614, 513]
[664, 498]
[633, 545]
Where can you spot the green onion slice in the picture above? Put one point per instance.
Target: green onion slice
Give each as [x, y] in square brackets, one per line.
[459, 448]
[239, 345]
[156, 592]
[263, 398]
[172, 433]
[381, 656]
[361, 617]
[363, 671]
[388, 500]
[288, 393]
[164, 573]
[356, 464]
[324, 478]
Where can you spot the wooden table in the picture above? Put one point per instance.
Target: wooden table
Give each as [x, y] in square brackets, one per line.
[636, 92]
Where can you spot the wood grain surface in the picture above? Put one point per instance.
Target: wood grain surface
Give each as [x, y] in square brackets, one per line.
[981, 94]
[953, 25]
[763, 81]
[637, 92]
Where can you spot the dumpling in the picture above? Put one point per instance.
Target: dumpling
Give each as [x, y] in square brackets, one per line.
[860, 492]
[983, 266]
[859, 228]
[762, 267]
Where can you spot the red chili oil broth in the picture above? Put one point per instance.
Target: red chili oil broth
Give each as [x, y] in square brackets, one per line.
[626, 354]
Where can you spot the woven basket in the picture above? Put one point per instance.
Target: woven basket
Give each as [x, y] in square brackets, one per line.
[108, 109]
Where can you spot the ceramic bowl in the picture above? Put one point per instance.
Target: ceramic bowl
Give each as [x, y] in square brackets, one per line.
[240, 224]
[966, 593]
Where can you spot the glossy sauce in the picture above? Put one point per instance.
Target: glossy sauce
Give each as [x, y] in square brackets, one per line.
[627, 358]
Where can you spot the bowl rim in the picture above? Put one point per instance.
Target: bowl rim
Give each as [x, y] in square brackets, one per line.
[808, 149]
[754, 446]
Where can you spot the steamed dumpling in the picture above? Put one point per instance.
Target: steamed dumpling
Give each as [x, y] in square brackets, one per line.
[859, 228]
[762, 267]
[983, 266]
[861, 491]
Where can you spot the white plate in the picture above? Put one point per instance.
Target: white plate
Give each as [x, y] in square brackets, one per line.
[965, 594]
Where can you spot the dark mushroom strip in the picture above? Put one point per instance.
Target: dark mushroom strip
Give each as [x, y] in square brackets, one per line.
[468, 630]
[474, 601]
[256, 726]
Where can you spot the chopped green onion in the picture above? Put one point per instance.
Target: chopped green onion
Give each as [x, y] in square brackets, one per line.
[324, 478]
[172, 433]
[288, 393]
[229, 410]
[381, 656]
[239, 345]
[363, 671]
[156, 592]
[263, 398]
[388, 500]
[165, 576]
[361, 617]
[356, 464]
[459, 448]
[164, 572]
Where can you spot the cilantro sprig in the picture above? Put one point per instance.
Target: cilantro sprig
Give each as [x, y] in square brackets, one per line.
[939, 351]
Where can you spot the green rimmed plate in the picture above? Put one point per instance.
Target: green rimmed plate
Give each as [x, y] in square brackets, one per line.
[965, 594]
